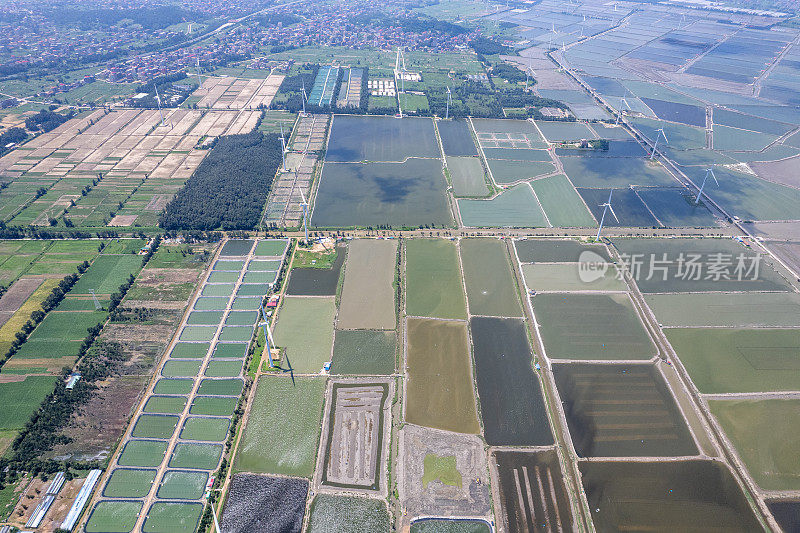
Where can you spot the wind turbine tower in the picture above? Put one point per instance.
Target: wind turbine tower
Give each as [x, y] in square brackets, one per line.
[700, 193]
[606, 207]
[305, 214]
[283, 149]
[304, 98]
[197, 63]
[158, 100]
[97, 305]
[655, 145]
[623, 101]
[268, 339]
[449, 99]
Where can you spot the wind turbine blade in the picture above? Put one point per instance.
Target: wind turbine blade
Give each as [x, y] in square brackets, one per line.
[610, 192]
[664, 133]
[302, 196]
[613, 213]
[713, 176]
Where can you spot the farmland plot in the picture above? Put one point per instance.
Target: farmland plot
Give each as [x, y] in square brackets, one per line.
[368, 295]
[439, 387]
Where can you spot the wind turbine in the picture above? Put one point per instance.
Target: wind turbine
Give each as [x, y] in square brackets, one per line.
[97, 305]
[606, 207]
[655, 145]
[700, 193]
[217, 529]
[268, 339]
[197, 62]
[305, 213]
[449, 99]
[304, 97]
[283, 149]
[158, 99]
[619, 115]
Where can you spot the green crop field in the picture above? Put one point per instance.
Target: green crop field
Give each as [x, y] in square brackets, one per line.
[165, 404]
[433, 279]
[414, 103]
[205, 428]
[776, 310]
[345, 514]
[20, 399]
[173, 386]
[508, 171]
[59, 334]
[213, 405]
[557, 250]
[205, 317]
[591, 326]
[129, 483]
[241, 318]
[516, 207]
[229, 265]
[270, 247]
[21, 315]
[198, 333]
[283, 429]
[224, 369]
[739, 360]
[764, 433]
[221, 387]
[367, 300]
[237, 333]
[366, 352]
[562, 204]
[259, 276]
[737, 140]
[207, 303]
[113, 517]
[172, 517]
[448, 525]
[670, 275]
[246, 304]
[107, 273]
[305, 330]
[183, 485]
[154, 426]
[230, 350]
[439, 390]
[441, 468]
[467, 176]
[559, 277]
[143, 453]
[181, 368]
[218, 289]
[204, 456]
[599, 172]
[491, 290]
[223, 276]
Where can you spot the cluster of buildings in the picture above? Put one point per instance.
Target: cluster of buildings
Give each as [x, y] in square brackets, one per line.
[63, 87]
[381, 87]
[346, 28]
[38, 41]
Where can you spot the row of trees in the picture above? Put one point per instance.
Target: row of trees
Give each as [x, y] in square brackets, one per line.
[229, 188]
